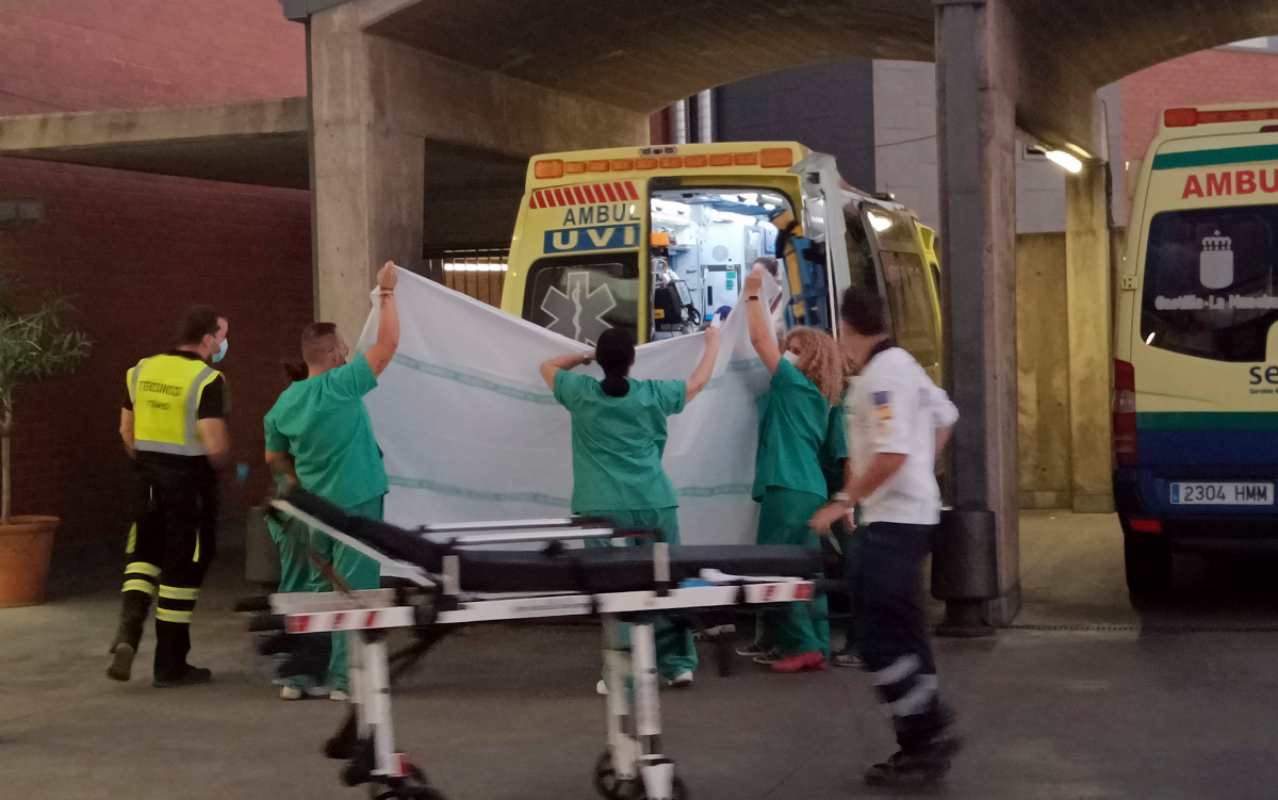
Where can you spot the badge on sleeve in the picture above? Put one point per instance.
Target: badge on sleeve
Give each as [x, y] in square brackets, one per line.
[883, 406]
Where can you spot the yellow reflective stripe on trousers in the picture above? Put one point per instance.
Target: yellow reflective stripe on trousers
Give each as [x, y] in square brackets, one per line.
[139, 585]
[196, 558]
[132, 543]
[169, 615]
[178, 593]
[142, 568]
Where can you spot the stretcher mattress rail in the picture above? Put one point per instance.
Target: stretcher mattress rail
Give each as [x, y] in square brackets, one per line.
[516, 536]
[405, 569]
[368, 610]
[522, 524]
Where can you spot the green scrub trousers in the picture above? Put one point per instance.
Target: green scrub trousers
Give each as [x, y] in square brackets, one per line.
[298, 574]
[795, 627]
[676, 652]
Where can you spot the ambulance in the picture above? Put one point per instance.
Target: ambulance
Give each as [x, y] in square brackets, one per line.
[658, 240]
[1196, 347]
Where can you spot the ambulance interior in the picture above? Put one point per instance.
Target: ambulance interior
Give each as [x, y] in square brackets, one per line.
[702, 242]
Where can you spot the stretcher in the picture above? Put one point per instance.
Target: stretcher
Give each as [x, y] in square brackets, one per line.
[447, 577]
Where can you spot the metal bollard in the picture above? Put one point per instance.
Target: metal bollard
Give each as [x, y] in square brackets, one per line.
[965, 571]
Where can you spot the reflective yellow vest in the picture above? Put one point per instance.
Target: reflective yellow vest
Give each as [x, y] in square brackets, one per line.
[166, 391]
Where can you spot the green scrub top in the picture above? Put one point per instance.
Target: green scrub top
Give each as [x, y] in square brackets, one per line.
[617, 442]
[322, 423]
[800, 436]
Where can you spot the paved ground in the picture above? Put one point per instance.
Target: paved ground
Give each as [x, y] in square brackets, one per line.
[1086, 699]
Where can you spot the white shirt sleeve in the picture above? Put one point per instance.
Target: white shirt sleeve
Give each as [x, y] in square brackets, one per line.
[944, 413]
[891, 404]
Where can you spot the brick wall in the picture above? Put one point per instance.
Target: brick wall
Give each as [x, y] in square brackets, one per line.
[1210, 76]
[135, 249]
[80, 55]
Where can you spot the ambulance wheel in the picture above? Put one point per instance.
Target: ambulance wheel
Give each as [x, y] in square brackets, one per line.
[1148, 563]
[606, 781]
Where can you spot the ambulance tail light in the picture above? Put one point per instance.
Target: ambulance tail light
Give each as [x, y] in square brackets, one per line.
[1189, 117]
[1145, 525]
[1124, 414]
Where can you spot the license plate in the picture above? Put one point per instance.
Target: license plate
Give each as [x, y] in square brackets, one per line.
[1222, 494]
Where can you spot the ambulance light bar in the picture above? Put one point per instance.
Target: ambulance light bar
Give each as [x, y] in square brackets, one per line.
[1189, 117]
[767, 157]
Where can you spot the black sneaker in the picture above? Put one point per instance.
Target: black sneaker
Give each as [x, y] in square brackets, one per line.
[191, 676]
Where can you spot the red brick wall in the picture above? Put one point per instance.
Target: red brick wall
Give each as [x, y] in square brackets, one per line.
[135, 249]
[1209, 76]
[80, 55]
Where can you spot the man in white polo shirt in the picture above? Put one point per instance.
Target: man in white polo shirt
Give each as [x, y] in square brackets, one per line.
[901, 420]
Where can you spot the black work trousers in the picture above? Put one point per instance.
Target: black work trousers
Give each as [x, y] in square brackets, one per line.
[893, 631]
[171, 544]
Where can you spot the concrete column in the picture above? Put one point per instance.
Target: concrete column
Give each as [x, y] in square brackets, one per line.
[1088, 286]
[976, 89]
[368, 181]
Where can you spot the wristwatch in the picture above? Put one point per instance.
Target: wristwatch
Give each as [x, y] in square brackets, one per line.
[843, 498]
[753, 297]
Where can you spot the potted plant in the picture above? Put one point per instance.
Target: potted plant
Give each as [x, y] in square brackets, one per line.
[34, 346]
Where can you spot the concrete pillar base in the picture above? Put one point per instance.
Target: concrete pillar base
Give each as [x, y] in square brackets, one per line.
[965, 619]
[1002, 610]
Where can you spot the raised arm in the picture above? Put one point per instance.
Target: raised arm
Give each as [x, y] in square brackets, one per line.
[383, 350]
[551, 366]
[705, 367]
[763, 336]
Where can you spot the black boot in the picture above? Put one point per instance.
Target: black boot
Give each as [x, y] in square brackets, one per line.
[133, 611]
[928, 743]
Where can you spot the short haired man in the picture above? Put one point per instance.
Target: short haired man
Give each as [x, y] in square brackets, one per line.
[901, 420]
[173, 425]
[319, 436]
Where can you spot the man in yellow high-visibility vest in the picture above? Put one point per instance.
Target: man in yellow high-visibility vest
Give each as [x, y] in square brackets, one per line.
[173, 424]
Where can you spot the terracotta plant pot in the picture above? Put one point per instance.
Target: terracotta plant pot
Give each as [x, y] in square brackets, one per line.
[25, 546]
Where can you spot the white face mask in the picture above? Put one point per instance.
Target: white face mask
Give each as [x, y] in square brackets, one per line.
[791, 356]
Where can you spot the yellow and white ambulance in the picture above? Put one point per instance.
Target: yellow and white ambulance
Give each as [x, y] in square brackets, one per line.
[1196, 347]
[658, 240]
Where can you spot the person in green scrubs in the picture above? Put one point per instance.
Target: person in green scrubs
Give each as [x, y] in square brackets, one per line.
[319, 436]
[802, 436]
[618, 436]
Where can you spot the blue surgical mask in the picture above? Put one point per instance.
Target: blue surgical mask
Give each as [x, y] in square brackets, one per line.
[791, 356]
[221, 351]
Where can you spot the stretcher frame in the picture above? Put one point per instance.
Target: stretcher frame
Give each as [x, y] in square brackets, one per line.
[633, 766]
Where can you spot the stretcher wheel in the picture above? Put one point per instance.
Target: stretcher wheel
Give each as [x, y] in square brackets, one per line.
[410, 793]
[606, 781]
[636, 791]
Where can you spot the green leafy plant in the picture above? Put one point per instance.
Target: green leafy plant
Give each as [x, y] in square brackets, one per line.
[34, 346]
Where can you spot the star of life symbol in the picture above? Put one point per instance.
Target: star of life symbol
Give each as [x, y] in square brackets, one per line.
[579, 313]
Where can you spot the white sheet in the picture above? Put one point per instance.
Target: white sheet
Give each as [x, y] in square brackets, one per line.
[470, 431]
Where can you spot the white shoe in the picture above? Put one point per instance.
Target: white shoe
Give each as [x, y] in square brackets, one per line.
[338, 696]
[293, 693]
[601, 689]
[681, 681]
